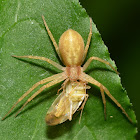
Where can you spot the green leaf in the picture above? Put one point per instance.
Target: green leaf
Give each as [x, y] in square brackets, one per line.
[22, 32]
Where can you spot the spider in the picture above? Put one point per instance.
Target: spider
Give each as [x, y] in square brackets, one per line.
[72, 51]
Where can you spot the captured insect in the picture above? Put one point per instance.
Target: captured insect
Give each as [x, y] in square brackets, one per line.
[67, 103]
[72, 51]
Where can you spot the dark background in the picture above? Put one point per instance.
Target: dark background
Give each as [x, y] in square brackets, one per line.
[119, 24]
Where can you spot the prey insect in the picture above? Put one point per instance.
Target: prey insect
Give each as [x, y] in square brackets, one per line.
[72, 51]
[66, 104]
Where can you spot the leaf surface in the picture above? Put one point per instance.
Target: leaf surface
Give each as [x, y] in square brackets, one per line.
[22, 32]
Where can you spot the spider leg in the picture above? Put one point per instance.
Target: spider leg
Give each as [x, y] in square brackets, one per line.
[84, 102]
[85, 99]
[98, 59]
[44, 59]
[103, 98]
[32, 88]
[59, 90]
[58, 80]
[63, 86]
[82, 107]
[95, 82]
[51, 36]
[88, 41]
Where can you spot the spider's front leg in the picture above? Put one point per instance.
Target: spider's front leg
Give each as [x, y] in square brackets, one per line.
[103, 98]
[63, 86]
[57, 80]
[51, 78]
[104, 89]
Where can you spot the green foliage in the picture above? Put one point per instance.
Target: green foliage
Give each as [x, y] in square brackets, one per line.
[22, 33]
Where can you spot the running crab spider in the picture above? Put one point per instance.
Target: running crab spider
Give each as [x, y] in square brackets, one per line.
[72, 52]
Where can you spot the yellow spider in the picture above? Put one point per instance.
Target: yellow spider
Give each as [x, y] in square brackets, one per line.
[72, 51]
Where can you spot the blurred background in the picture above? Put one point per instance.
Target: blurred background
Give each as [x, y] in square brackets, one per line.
[118, 22]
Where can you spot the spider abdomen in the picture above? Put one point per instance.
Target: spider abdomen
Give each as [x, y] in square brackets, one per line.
[71, 48]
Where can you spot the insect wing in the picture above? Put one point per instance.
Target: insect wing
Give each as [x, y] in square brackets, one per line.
[65, 105]
[58, 112]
